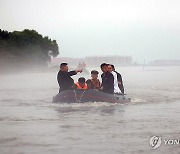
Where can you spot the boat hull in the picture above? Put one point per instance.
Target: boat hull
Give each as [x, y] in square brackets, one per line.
[82, 96]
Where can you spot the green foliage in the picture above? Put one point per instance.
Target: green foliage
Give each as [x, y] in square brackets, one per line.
[26, 47]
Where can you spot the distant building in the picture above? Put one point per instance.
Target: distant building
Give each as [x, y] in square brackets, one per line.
[164, 62]
[115, 60]
[70, 61]
[94, 60]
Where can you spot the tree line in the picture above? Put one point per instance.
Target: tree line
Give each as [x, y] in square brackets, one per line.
[25, 48]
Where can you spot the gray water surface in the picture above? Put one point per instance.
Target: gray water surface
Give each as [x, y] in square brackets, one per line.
[31, 123]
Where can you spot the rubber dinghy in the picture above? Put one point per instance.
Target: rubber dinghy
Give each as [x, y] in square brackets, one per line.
[82, 96]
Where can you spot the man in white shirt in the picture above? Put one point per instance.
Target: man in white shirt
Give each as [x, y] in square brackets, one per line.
[116, 87]
[119, 78]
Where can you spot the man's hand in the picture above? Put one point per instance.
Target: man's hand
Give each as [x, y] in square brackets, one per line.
[119, 82]
[79, 71]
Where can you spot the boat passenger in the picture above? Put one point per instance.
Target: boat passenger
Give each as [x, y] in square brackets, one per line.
[94, 82]
[107, 85]
[116, 87]
[119, 79]
[81, 84]
[64, 77]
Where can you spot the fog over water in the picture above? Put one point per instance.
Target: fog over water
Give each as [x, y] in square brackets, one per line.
[31, 123]
[142, 29]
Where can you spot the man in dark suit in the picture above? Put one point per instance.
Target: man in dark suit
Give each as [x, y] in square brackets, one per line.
[107, 85]
[64, 77]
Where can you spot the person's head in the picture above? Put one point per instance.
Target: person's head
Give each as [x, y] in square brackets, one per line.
[64, 67]
[113, 68]
[81, 81]
[110, 68]
[104, 67]
[94, 74]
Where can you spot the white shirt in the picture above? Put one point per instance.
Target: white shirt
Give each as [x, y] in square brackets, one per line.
[116, 87]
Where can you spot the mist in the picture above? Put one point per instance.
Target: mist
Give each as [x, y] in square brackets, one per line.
[145, 30]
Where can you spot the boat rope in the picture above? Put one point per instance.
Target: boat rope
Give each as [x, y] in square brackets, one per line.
[78, 101]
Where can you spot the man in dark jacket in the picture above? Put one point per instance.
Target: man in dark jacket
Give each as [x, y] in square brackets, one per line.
[107, 85]
[64, 77]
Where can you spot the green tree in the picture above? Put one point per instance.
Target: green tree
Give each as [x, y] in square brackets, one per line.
[26, 48]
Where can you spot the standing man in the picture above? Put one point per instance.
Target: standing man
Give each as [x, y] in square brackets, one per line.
[64, 77]
[120, 81]
[107, 85]
[116, 83]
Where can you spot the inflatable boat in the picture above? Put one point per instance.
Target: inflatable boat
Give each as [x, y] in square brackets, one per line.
[82, 96]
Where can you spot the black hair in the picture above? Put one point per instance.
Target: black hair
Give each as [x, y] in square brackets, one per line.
[82, 80]
[63, 64]
[103, 64]
[94, 72]
[112, 66]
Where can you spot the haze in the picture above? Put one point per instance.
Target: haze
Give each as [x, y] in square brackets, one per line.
[142, 29]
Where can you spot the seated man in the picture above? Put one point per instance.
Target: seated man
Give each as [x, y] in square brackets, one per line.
[94, 82]
[81, 84]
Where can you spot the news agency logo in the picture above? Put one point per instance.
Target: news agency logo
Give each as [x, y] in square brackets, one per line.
[156, 141]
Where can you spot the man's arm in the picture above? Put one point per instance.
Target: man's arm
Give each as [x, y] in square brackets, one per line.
[71, 73]
[111, 82]
[89, 83]
[120, 82]
[119, 77]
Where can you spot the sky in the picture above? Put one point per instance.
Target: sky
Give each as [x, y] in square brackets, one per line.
[144, 29]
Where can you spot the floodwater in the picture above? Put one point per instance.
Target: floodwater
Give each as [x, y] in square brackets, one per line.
[31, 123]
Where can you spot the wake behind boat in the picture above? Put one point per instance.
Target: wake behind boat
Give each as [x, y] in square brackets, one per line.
[82, 96]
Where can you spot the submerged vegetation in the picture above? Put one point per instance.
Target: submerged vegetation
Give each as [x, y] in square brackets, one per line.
[24, 49]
